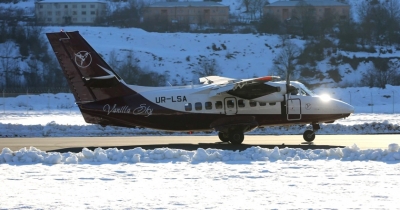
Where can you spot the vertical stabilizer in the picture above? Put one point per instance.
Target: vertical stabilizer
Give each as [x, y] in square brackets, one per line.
[90, 78]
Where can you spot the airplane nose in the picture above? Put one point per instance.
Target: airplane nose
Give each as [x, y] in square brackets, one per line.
[344, 107]
[339, 107]
[350, 108]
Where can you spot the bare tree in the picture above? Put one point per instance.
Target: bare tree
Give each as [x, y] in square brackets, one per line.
[270, 23]
[33, 73]
[207, 67]
[128, 69]
[379, 21]
[284, 63]
[8, 63]
[139, 5]
[284, 38]
[378, 76]
[245, 3]
[255, 8]
[304, 18]
[394, 21]
[113, 60]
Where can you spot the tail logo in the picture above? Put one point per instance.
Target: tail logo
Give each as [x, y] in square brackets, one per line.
[83, 59]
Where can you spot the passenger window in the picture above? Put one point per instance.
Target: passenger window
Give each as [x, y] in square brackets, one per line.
[230, 104]
[272, 104]
[198, 106]
[208, 105]
[241, 103]
[188, 107]
[253, 103]
[262, 103]
[218, 105]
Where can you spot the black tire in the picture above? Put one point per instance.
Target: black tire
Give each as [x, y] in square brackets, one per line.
[309, 135]
[223, 137]
[236, 137]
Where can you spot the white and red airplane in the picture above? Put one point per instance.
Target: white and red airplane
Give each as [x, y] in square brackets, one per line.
[229, 106]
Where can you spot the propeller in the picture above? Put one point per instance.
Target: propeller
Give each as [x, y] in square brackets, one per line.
[287, 81]
[289, 88]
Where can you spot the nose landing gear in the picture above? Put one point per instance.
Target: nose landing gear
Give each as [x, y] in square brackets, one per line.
[309, 135]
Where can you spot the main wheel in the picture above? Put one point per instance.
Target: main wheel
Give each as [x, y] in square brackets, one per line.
[309, 135]
[223, 137]
[236, 137]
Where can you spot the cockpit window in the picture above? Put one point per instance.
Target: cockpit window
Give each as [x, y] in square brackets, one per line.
[300, 89]
[306, 91]
[302, 92]
[299, 92]
[297, 88]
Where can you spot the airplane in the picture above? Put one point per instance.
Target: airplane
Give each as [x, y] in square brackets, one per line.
[229, 106]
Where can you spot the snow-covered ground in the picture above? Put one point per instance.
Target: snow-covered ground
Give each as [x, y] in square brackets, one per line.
[204, 179]
[166, 178]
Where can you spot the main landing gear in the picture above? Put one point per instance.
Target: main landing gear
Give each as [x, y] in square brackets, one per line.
[309, 135]
[234, 137]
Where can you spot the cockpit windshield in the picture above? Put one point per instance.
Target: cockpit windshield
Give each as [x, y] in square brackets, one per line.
[300, 89]
[297, 88]
[305, 91]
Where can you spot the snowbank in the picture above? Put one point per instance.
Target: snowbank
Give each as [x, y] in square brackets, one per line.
[114, 155]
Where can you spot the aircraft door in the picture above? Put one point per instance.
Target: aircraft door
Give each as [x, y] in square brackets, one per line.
[230, 106]
[293, 109]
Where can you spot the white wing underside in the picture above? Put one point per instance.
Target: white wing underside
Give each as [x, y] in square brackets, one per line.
[224, 84]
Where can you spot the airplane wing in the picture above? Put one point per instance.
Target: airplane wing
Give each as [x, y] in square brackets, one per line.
[216, 80]
[244, 88]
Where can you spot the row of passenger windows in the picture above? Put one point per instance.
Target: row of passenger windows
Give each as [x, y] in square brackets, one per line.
[219, 105]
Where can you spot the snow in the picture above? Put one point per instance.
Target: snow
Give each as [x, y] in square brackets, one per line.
[165, 178]
[253, 154]
[137, 178]
[256, 178]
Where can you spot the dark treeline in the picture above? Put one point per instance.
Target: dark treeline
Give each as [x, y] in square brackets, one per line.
[25, 60]
[378, 24]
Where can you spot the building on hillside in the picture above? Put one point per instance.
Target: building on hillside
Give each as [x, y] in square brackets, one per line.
[69, 12]
[189, 12]
[321, 8]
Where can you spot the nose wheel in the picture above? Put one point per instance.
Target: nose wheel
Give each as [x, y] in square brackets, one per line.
[309, 135]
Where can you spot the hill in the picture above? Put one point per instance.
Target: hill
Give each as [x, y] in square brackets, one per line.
[182, 57]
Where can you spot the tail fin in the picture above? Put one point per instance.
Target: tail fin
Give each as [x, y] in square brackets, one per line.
[90, 78]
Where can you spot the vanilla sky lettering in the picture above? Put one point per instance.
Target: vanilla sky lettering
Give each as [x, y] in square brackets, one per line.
[143, 109]
[116, 109]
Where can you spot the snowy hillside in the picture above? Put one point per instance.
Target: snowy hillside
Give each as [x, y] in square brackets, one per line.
[178, 54]
[237, 55]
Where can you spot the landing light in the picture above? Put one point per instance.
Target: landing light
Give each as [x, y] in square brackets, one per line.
[325, 97]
